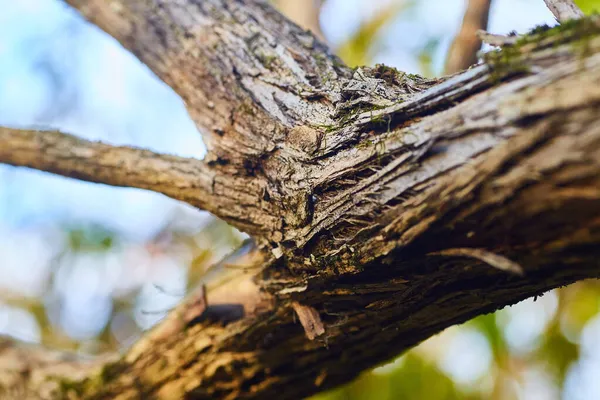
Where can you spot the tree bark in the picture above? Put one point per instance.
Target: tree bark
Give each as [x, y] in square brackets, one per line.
[564, 10]
[385, 206]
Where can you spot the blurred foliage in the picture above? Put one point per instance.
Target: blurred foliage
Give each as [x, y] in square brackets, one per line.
[414, 379]
[92, 238]
[95, 264]
[360, 47]
[588, 6]
[426, 55]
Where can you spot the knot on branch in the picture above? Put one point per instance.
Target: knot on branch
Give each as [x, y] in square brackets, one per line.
[304, 141]
[372, 89]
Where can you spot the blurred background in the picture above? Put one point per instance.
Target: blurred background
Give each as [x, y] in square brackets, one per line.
[88, 267]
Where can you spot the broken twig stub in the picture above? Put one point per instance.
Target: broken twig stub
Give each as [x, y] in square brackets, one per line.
[310, 320]
[492, 259]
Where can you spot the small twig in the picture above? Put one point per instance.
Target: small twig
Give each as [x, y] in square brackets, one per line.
[310, 320]
[163, 290]
[187, 179]
[496, 40]
[493, 260]
[156, 312]
[564, 10]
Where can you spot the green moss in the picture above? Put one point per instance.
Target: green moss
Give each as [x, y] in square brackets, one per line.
[246, 108]
[67, 387]
[539, 29]
[365, 144]
[325, 128]
[384, 69]
[266, 60]
[337, 62]
[567, 31]
[510, 60]
[389, 74]
[345, 116]
[415, 76]
[506, 62]
[321, 60]
[583, 32]
[379, 119]
[110, 371]
[378, 147]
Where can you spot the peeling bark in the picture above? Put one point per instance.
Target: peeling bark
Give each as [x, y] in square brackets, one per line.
[385, 206]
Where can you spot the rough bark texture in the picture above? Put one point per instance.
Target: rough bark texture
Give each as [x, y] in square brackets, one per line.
[185, 179]
[385, 206]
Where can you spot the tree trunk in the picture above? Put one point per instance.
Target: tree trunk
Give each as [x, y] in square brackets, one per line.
[385, 207]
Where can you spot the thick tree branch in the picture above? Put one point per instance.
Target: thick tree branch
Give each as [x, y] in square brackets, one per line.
[466, 44]
[564, 10]
[245, 72]
[371, 186]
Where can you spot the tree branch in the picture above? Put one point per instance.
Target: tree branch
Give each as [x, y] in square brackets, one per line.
[564, 10]
[246, 74]
[186, 179]
[466, 44]
[370, 187]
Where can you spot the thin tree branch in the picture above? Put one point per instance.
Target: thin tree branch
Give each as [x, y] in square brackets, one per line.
[564, 10]
[466, 44]
[497, 40]
[190, 180]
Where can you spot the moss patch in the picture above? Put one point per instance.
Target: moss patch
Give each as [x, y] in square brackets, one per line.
[511, 59]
